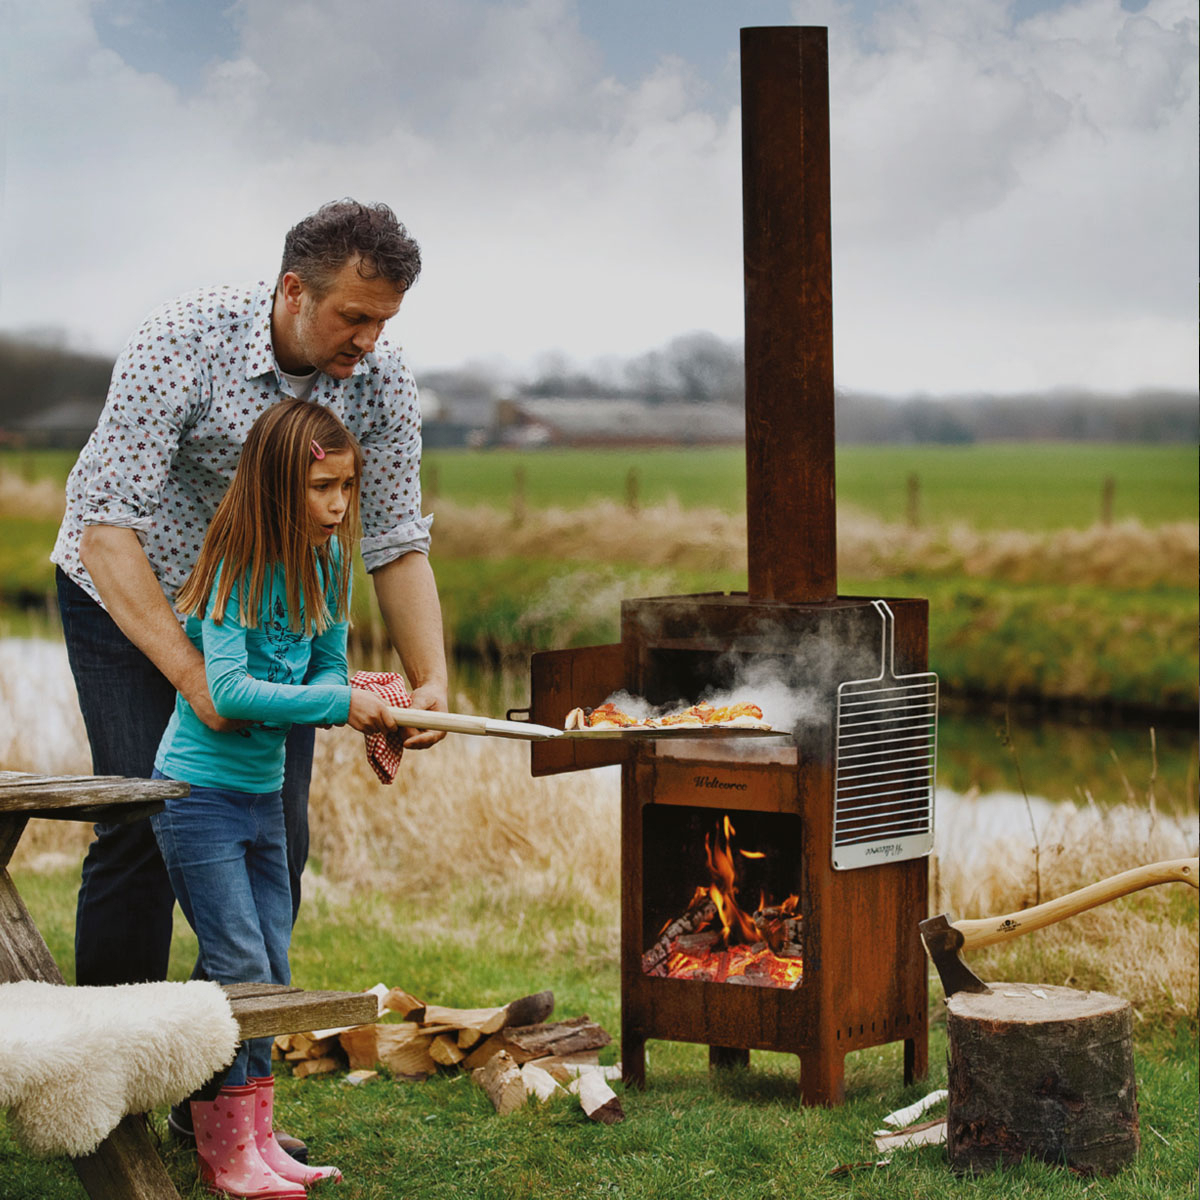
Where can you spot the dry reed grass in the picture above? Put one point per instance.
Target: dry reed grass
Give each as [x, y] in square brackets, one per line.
[464, 812]
[1142, 947]
[465, 824]
[1127, 554]
[20, 497]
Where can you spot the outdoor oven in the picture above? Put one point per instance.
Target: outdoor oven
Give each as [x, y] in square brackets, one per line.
[822, 835]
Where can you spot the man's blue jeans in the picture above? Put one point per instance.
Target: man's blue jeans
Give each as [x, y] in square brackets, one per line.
[225, 856]
[123, 917]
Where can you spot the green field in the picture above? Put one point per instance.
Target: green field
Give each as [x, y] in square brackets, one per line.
[1032, 486]
[1036, 486]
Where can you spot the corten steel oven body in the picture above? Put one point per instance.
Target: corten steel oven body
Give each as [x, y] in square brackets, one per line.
[864, 967]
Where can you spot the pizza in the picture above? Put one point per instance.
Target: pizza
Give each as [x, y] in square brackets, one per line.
[702, 715]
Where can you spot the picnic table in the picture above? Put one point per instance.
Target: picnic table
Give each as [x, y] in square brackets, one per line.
[126, 1165]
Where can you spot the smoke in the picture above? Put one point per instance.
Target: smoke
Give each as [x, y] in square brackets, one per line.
[793, 677]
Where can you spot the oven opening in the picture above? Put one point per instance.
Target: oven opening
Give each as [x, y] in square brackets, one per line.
[721, 900]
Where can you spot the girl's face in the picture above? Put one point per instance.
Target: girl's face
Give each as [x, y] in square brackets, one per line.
[331, 483]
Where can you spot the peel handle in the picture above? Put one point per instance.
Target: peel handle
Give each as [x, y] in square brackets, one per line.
[987, 931]
[420, 718]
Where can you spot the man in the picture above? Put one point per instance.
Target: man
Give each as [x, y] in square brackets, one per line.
[184, 393]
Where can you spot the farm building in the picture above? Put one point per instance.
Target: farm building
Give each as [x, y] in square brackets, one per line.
[553, 421]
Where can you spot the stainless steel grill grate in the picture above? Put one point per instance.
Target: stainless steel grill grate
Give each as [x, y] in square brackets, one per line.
[886, 762]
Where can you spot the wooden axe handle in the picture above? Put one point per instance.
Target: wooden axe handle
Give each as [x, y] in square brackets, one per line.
[987, 931]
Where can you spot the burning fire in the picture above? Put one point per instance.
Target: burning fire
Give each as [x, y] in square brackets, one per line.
[716, 940]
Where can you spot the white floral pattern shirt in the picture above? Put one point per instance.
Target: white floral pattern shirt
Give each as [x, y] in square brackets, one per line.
[184, 393]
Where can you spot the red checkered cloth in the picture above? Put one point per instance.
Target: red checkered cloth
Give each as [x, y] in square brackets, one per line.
[384, 749]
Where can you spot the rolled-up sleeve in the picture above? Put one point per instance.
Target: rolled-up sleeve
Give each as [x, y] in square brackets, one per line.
[151, 401]
[391, 486]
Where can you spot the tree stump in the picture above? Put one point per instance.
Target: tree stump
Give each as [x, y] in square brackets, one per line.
[1042, 1071]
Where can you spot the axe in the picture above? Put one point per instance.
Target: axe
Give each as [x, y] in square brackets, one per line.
[944, 939]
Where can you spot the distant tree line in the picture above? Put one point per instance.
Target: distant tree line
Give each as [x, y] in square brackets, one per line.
[52, 393]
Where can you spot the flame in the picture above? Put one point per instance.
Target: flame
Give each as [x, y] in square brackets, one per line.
[763, 948]
[737, 926]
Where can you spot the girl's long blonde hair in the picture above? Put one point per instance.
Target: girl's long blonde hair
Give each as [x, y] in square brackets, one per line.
[263, 521]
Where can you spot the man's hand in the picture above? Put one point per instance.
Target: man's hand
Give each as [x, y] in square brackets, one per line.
[408, 600]
[427, 699]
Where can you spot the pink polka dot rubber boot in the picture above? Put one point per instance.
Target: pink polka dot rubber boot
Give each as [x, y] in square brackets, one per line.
[230, 1162]
[273, 1154]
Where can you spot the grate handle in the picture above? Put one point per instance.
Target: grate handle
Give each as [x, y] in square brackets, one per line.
[887, 648]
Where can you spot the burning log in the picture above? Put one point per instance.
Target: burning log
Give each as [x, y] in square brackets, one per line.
[700, 912]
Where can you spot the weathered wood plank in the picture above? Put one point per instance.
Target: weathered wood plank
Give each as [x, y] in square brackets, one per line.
[273, 1013]
[24, 792]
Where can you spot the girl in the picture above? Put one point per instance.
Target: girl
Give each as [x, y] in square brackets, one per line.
[267, 604]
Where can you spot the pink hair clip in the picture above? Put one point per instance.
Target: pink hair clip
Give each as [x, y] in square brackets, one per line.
[316, 449]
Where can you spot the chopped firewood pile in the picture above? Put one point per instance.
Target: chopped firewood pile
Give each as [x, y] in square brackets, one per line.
[512, 1052]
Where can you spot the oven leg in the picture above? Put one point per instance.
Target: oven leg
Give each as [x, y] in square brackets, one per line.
[633, 1058]
[916, 1057]
[822, 1077]
[721, 1058]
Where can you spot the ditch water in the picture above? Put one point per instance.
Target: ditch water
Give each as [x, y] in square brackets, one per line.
[987, 763]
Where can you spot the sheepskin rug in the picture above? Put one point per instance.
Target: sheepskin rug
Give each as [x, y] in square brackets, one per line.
[75, 1060]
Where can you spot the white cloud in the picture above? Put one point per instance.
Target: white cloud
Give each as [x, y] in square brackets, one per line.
[1014, 205]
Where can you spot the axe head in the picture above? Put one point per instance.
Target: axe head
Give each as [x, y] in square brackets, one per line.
[944, 942]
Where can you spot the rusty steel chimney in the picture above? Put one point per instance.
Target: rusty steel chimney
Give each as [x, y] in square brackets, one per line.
[791, 523]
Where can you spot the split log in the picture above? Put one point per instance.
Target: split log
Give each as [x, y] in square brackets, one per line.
[597, 1099]
[409, 1007]
[361, 1045]
[528, 1042]
[501, 1080]
[316, 1066]
[444, 1050]
[1043, 1071]
[404, 1050]
[530, 1010]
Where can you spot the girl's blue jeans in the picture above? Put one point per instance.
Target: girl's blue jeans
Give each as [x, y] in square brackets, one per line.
[227, 862]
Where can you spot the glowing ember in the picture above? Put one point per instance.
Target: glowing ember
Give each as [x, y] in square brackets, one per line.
[715, 940]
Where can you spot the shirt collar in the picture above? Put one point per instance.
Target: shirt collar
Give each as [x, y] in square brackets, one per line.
[260, 353]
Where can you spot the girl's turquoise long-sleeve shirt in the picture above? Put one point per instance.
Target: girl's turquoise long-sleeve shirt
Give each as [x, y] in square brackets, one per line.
[268, 674]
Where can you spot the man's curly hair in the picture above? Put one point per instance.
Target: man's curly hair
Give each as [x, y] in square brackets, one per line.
[319, 246]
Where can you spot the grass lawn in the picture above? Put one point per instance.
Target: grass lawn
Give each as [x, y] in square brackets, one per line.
[741, 1135]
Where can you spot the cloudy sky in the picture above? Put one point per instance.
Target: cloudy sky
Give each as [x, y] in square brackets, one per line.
[1014, 181]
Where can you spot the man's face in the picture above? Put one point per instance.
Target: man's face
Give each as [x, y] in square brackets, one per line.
[332, 332]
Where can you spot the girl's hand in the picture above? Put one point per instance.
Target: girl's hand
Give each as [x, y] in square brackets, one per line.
[370, 713]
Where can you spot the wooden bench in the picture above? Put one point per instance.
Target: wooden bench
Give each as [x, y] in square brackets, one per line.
[126, 1165]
